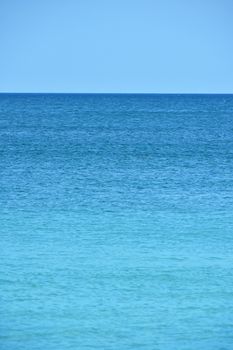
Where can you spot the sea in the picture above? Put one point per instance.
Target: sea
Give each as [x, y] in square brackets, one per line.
[116, 222]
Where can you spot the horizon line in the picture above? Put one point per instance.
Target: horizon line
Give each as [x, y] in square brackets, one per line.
[117, 93]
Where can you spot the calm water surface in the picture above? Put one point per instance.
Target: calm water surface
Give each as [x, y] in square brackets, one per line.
[116, 217]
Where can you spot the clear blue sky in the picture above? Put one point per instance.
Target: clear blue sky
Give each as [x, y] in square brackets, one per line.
[116, 46]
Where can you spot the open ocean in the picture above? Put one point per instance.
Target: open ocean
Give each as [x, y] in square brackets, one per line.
[116, 222]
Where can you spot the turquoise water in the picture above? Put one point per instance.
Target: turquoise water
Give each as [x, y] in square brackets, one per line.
[116, 217]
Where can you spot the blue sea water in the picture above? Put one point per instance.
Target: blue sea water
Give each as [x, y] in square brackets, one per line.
[116, 216]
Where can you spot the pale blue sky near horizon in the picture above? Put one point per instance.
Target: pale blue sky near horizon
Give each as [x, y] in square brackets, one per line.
[157, 46]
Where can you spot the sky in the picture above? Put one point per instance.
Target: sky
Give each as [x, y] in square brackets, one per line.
[156, 46]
